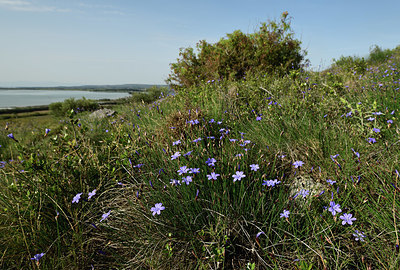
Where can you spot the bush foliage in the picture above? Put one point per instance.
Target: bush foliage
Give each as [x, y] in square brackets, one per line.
[271, 49]
[73, 105]
[357, 64]
[150, 95]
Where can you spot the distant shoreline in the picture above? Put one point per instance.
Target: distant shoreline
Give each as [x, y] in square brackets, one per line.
[94, 88]
[12, 112]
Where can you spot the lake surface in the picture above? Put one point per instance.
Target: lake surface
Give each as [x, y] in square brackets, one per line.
[10, 98]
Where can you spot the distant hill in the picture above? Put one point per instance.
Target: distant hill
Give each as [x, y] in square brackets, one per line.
[117, 87]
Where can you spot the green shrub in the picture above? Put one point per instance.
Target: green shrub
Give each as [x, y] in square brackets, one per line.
[71, 104]
[150, 95]
[377, 55]
[351, 63]
[272, 49]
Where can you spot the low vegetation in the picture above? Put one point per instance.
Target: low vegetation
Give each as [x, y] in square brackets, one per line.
[286, 170]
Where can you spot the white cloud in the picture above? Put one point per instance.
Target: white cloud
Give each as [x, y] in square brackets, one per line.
[21, 5]
[103, 9]
[13, 3]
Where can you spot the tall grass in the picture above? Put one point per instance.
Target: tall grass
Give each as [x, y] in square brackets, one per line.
[342, 127]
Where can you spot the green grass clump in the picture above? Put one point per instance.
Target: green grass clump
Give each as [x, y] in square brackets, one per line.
[156, 186]
[72, 105]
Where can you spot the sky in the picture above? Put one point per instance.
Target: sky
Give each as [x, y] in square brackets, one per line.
[76, 42]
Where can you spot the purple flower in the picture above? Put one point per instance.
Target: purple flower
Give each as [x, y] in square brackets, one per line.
[46, 131]
[371, 119]
[347, 218]
[334, 156]
[331, 182]
[176, 142]
[11, 136]
[232, 140]
[187, 154]
[376, 130]
[197, 140]
[187, 180]
[359, 235]
[212, 176]
[175, 182]
[334, 208]
[371, 140]
[105, 215]
[285, 214]
[258, 118]
[298, 163]
[259, 233]
[194, 170]
[211, 162]
[271, 183]
[158, 207]
[254, 167]
[238, 176]
[304, 193]
[91, 194]
[183, 170]
[77, 198]
[176, 155]
[389, 121]
[38, 256]
[355, 153]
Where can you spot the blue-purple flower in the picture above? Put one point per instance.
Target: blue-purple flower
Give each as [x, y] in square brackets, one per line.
[11, 136]
[238, 176]
[187, 154]
[298, 163]
[176, 155]
[259, 233]
[174, 182]
[304, 193]
[355, 153]
[359, 236]
[197, 140]
[183, 170]
[271, 183]
[194, 170]
[38, 256]
[187, 180]
[371, 140]
[254, 167]
[176, 142]
[213, 176]
[285, 214]
[211, 162]
[334, 208]
[91, 194]
[105, 215]
[158, 207]
[347, 218]
[77, 198]
[331, 182]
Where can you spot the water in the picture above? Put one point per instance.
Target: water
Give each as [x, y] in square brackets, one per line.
[10, 98]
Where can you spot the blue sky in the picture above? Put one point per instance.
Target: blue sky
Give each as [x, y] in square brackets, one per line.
[73, 42]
